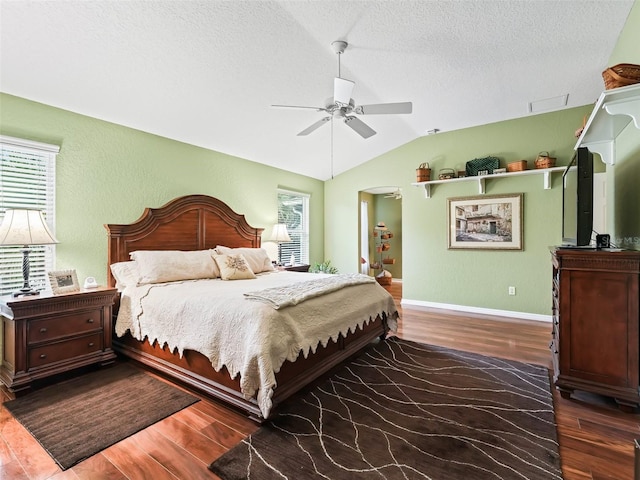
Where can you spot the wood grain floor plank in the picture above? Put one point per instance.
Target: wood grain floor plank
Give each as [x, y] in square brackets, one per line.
[96, 465]
[134, 462]
[34, 459]
[197, 444]
[215, 430]
[13, 470]
[71, 475]
[228, 416]
[174, 458]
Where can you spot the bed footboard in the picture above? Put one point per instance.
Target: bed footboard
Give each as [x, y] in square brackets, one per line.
[194, 370]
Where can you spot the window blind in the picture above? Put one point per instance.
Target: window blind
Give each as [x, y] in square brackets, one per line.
[293, 211]
[27, 180]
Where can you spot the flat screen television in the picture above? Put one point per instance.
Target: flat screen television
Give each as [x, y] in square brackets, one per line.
[577, 200]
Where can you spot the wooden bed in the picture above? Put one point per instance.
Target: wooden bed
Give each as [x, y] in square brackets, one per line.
[199, 222]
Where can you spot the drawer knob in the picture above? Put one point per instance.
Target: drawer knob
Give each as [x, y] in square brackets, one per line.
[89, 320]
[91, 344]
[43, 330]
[42, 355]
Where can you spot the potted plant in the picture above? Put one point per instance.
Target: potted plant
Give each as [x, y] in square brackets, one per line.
[324, 267]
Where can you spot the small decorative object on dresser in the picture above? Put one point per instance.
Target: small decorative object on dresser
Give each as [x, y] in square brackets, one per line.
[50, 334]
[64, 281]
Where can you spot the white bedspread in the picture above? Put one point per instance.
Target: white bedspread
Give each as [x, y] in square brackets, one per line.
[250, 338]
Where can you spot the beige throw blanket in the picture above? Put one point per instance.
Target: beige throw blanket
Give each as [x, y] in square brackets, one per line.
[293, 294]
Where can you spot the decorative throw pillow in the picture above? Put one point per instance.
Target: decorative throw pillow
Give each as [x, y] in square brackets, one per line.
[125, 274]
[159, 266]
[233, 267]
[257, 258]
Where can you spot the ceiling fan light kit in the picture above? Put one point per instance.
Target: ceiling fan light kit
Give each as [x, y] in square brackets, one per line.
[342, 106]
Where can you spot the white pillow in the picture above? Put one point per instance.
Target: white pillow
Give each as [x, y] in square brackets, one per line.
[125, 274]
[257, 258]
[233, 267]
[159, 266]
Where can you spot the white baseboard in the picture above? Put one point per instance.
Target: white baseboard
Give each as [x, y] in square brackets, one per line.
[480, 310]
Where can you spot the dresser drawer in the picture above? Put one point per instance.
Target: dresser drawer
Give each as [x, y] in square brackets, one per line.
[58, 351]
[64, 325]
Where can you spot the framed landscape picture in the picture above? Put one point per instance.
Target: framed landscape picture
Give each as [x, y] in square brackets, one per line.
[487, 222]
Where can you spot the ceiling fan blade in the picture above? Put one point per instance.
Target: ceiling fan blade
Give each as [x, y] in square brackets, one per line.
[313, 127]
[318, 109]
[361, 128]
[383, 108]
[342, 89]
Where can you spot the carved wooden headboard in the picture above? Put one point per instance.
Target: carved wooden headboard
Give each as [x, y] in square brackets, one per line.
[193, 222]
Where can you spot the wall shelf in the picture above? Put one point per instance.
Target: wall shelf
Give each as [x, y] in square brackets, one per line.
[613, 111]
[480, 180]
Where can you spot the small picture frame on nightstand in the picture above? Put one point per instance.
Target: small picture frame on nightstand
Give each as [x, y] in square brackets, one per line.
[64, 281]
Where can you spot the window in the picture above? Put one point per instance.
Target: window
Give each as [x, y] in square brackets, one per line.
[27, 180]
[293, 211]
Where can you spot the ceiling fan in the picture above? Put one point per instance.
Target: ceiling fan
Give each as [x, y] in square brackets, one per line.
[342, 106]
[396, 195]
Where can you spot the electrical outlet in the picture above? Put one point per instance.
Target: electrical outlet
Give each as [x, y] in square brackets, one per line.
[512, 290]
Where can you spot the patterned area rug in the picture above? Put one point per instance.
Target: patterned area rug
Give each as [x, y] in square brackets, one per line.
[404, 410]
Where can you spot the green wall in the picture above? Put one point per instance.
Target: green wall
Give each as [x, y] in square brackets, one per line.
[431, 272]
[623, 179]
[107, 173]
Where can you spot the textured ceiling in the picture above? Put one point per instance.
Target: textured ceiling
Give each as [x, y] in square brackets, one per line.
[206, 72]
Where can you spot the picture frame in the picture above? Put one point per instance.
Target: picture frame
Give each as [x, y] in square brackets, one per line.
[64, 281]
[486, 222]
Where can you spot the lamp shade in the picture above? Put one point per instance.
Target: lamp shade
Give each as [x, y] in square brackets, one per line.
[279, 233]
[25, 227]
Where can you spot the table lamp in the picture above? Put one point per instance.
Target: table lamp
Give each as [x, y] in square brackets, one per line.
[25, 227]
[279, 235]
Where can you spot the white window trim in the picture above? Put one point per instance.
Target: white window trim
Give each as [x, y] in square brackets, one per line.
[38, 148]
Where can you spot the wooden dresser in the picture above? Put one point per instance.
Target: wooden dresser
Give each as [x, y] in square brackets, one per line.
[50, 334]
[596, 319]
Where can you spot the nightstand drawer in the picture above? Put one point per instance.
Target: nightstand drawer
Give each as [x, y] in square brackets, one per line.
[58, 351]
[64, 325]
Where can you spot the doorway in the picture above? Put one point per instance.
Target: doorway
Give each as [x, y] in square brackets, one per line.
[380, 239]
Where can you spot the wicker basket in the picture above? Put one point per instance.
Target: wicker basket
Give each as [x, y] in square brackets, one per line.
[544, 160]
[389, 261]
[423, 173]
[446, 174]
[518, 166]
[384, 280]
[621, 75]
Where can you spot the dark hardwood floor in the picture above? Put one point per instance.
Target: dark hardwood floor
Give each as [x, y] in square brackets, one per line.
[596, 439]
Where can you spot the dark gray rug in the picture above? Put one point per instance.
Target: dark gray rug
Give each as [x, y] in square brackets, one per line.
[404, 410]
[78, 418]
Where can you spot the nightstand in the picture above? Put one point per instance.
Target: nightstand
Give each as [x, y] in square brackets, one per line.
[296, 268]
[49, 334]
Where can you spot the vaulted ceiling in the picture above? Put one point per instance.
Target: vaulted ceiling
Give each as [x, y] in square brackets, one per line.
[207, 72]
